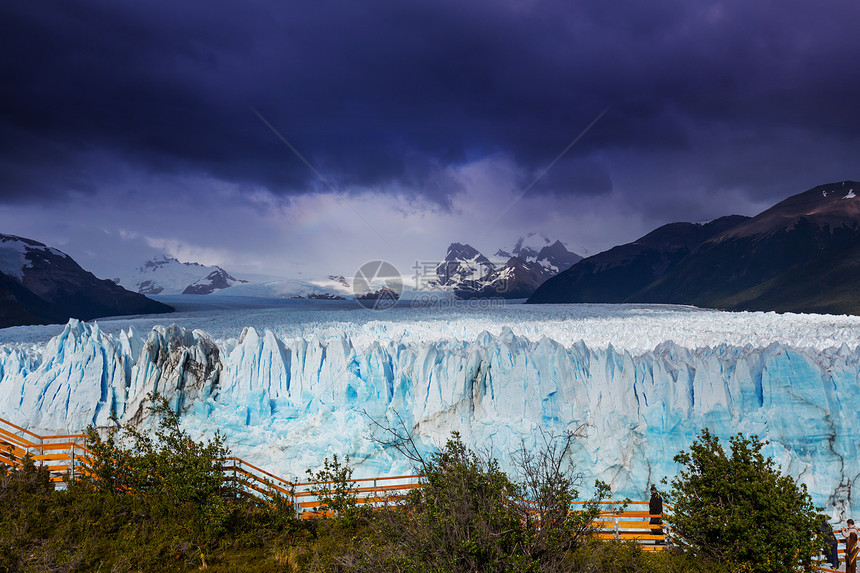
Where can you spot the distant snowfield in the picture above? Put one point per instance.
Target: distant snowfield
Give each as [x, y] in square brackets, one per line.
[632, 328]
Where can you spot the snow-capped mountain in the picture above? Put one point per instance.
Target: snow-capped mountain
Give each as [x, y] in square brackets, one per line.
[555, 258]
[536, 248]
[462, 264]
[527, 247]
[166, 275]
[41, 285]
[216, 280]
[531, 261]
[515, 279]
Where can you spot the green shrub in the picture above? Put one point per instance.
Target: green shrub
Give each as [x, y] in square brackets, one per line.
[465, 516]
[176, 474]
[138, 515]
[334, 488]
[156, 503]
[25, 496]
[470, 516]
[737, 509]
[548, 487]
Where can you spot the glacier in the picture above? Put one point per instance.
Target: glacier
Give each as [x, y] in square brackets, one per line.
[302, 384]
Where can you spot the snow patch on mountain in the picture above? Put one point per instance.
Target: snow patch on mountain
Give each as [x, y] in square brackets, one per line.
[462, 263]
[12, 257]
[166, 275]
[16, 254]
[216, 280]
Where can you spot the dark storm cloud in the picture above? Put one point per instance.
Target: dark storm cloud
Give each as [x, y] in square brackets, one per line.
[570, 176]
[388, 94]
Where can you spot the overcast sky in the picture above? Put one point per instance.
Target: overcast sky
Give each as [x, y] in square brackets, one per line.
[129, 129]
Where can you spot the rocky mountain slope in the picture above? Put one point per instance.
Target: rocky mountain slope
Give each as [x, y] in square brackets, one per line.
[42, 285]
[620, 273]
[801, 255]
[216, 280]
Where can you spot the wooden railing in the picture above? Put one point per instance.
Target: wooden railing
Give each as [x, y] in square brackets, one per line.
[631, 524]
[367, 491]
[301, 495]
[63, 456]
[66, 456]
[822, 565]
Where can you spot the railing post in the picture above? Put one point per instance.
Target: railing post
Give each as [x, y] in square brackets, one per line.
[72, 464]
[617, 528]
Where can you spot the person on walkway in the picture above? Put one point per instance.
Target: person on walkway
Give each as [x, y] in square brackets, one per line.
[851, 550]
[655, 508]
[832, 551]
[846, 531]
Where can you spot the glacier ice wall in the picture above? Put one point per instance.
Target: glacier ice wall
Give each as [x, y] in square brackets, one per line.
[285, 403]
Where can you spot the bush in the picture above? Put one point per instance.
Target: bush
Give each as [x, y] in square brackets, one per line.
[548, 487]
[462, 519]
[24, 498]
[465, 516]
[155, 503]
[470, 516]
[178, 475]
[739, 510]
[334, 489]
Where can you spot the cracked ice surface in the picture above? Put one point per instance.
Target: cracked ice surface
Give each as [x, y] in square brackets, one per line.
[291, 384]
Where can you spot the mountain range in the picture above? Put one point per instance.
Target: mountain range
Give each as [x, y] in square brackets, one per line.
[517, 272]
[42, 285]
[801, 255]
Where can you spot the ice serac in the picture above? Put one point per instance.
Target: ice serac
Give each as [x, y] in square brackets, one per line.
[286, 403]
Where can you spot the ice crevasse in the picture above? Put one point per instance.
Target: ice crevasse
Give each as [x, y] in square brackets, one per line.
[286, 403]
